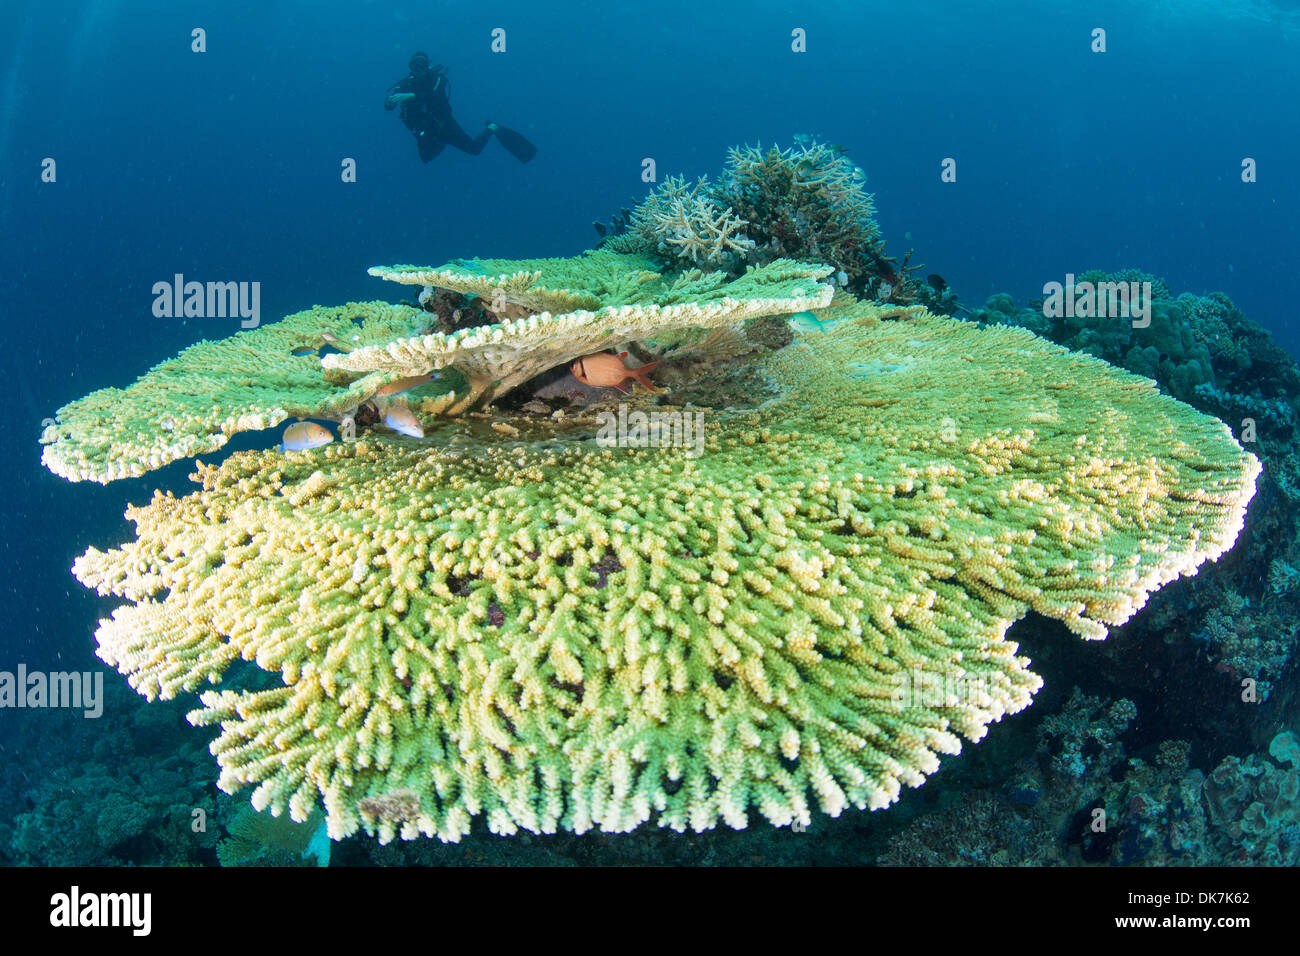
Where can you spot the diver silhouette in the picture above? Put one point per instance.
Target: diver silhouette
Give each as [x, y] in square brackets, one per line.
[421, 100]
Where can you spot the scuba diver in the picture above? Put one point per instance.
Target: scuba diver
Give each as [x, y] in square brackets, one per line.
[421, 99]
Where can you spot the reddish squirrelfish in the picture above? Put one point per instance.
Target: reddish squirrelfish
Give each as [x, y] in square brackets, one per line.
[606, 368]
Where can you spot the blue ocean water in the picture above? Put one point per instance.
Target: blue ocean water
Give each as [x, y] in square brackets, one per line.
[225, 164]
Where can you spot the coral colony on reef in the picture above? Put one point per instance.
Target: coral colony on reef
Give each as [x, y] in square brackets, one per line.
[1203, 351]
[507, 620]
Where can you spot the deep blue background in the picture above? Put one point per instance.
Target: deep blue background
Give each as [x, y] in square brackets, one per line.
[225, 166]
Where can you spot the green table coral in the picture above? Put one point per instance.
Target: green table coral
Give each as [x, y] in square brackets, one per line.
[192, 404]
[560, 636]
[604, 299]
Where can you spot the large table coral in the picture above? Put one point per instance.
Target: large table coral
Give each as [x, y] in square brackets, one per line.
[563, 636]
[602, 300]
[553, 311]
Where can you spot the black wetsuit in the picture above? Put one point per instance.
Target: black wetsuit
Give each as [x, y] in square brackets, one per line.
[428, 115]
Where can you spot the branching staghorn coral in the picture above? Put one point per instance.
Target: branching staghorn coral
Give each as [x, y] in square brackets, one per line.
[570, 637]
[686, 225]
[805, 202]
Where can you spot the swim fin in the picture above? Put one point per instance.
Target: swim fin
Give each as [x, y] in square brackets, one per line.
[515, 143]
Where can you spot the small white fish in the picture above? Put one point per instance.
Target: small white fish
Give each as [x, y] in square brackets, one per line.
[403, 421]
[305, 435]
[335, 342]
[807, 322]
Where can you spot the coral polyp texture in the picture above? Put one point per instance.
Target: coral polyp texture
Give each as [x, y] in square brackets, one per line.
[613, 299]
[559, 636]
[192, 404]
[554, 310]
